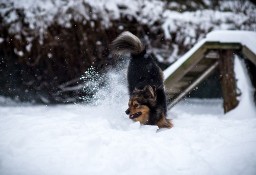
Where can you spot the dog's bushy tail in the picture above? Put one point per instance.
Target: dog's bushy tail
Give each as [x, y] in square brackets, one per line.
[126, 42]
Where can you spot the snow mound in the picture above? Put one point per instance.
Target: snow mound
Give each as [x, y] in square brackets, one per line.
[246, 101]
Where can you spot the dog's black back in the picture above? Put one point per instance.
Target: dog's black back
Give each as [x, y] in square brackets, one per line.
[142, 71]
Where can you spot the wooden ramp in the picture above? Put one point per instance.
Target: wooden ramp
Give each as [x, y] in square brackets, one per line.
[203, 59]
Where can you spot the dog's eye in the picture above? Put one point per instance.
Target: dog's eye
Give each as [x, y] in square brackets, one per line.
[136, 105]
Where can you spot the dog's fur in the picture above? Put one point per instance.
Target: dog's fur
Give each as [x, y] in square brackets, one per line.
[147, 102]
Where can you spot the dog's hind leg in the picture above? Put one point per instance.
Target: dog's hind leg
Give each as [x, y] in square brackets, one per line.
[164, 123]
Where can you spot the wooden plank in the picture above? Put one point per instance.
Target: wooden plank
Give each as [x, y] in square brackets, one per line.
[188, 78]
[173, 91]
[195, 58]
[185, 67]
[219, 45]
[212, 54]
[198, 68]
[193, 74]
[228, 81]
[201, 66]
[207, 61]
[249, 54]
[181, 84]
[193, 85]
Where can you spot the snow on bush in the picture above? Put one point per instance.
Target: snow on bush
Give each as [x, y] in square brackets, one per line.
[32, 18]
[39, 15]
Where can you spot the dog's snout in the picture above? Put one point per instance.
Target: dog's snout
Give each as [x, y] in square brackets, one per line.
[127, 111]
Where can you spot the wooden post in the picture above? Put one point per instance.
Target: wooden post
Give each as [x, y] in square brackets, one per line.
[228, 81]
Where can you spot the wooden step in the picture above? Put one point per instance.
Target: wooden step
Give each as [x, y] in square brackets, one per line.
[186, 87]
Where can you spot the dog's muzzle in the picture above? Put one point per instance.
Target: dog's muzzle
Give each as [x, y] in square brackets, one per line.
[127, 111]
[136, 115]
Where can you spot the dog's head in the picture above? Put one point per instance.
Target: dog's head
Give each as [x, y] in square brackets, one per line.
[140, 103]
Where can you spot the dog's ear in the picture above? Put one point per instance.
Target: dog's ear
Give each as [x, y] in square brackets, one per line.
[152, 91]
[136, 89]
[145, 89]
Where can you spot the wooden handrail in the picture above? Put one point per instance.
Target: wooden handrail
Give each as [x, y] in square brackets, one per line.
[195, 57]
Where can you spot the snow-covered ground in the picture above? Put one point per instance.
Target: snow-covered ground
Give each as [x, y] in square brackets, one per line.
[77, 139]
[100, 139]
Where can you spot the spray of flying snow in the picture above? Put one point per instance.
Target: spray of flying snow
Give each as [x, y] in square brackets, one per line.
[109, 95]
[108, 88]
[92, 82]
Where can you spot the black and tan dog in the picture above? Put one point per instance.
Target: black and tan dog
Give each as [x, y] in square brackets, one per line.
[147, 103]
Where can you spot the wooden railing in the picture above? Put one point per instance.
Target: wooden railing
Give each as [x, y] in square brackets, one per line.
[203, 59]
